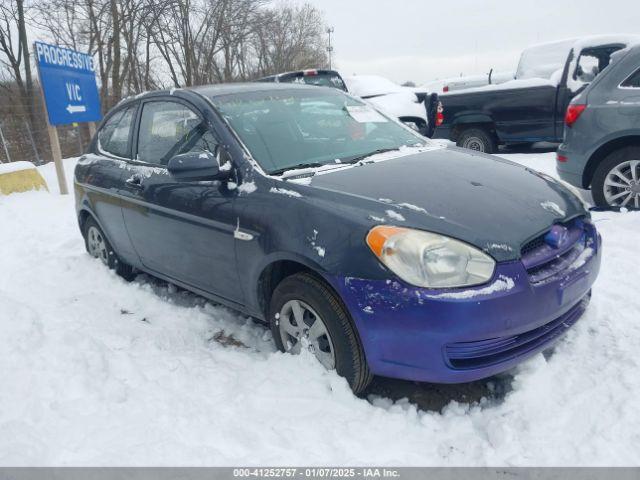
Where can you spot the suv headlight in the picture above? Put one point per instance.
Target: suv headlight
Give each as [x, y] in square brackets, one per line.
[430, 260]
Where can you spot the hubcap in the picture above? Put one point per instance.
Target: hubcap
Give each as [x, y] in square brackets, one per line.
[97, 245]
[301, 327]
[474, 143]
[622, 185]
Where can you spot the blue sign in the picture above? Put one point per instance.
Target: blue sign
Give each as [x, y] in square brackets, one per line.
[68, 80]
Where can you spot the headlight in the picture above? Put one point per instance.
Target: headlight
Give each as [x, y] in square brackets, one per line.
[429, 260]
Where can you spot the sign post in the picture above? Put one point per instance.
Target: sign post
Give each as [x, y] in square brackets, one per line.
[70, 93]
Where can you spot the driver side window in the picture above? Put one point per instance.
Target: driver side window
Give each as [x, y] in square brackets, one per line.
[170, 128]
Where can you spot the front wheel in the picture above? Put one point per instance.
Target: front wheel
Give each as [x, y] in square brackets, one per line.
[616, 181]
[477, 139]
[305, 314]
[98, 246]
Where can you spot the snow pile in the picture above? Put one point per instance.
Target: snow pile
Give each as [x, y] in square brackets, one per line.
[15, 167]
[97, 371]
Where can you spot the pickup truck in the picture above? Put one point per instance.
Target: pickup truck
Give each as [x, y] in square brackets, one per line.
[531, 107]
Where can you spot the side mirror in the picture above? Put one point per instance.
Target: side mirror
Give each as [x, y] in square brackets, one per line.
[197, 165]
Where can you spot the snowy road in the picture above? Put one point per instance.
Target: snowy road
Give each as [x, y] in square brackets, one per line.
[97, 371]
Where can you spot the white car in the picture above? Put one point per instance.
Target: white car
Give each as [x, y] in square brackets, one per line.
[410, 105]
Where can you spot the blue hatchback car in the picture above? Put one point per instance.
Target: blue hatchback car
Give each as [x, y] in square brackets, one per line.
[352, 236]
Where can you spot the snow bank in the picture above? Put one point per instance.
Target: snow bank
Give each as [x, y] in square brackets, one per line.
[15, 167]
[18, 177]
[97, 371]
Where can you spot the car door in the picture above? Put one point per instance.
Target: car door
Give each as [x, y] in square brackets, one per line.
[98, 176]
[182, 230]
[524, 114]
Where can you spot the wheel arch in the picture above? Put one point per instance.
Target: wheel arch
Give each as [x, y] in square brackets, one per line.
[278, 268]
[85, 214]
[601, 153]
[476, 120]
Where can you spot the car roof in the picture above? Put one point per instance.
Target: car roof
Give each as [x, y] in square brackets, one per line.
[220, 89]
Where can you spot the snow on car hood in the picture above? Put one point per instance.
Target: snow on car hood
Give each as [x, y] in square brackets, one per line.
[486, 201]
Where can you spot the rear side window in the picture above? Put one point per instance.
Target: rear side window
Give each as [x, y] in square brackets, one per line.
[633, 81]
[170, 128]
[114, 134]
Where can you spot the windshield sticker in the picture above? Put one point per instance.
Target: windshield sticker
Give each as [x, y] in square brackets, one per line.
[365, 114]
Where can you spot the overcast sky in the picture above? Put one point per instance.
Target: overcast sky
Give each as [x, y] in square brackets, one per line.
[423, 40]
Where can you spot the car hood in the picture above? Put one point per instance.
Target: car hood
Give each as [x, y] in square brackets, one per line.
[484, 200]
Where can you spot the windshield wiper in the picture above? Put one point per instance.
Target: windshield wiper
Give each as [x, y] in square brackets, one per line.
[356, 159]
[370, 154]
[280, 171]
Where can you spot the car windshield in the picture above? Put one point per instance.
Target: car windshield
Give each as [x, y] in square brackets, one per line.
[293, 128]
[544, 60]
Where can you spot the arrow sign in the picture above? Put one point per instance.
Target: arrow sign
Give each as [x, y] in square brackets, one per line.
[76, 108]
[68, 81]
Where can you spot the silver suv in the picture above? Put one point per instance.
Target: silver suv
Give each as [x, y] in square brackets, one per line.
[601, 147]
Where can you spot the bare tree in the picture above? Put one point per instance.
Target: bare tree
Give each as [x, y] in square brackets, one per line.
[290, 38]
[15, 58]
[145, 44]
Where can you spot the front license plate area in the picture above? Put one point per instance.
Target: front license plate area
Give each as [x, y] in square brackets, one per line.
[574, 289]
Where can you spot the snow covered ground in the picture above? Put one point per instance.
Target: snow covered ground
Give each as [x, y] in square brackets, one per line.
[97, 371]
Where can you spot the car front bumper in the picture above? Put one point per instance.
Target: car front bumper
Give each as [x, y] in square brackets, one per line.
[467, 334]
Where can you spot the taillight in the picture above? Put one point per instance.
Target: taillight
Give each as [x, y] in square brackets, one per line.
[310, 73]
[445, 89]
[573, 114]
[561, 158]
[439, 115]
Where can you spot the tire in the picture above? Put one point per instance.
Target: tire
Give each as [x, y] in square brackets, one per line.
[98, 246]
[319, 304]
[477, 139]
[605, 194]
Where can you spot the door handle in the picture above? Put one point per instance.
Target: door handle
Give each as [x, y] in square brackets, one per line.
[135, 181]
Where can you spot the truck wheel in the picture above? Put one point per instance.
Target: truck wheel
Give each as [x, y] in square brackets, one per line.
[477, 139]
[305, 313]
[616, 181]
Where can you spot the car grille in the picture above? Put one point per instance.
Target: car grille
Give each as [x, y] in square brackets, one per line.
[484, 353]
[532, 246]
[544, 263]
